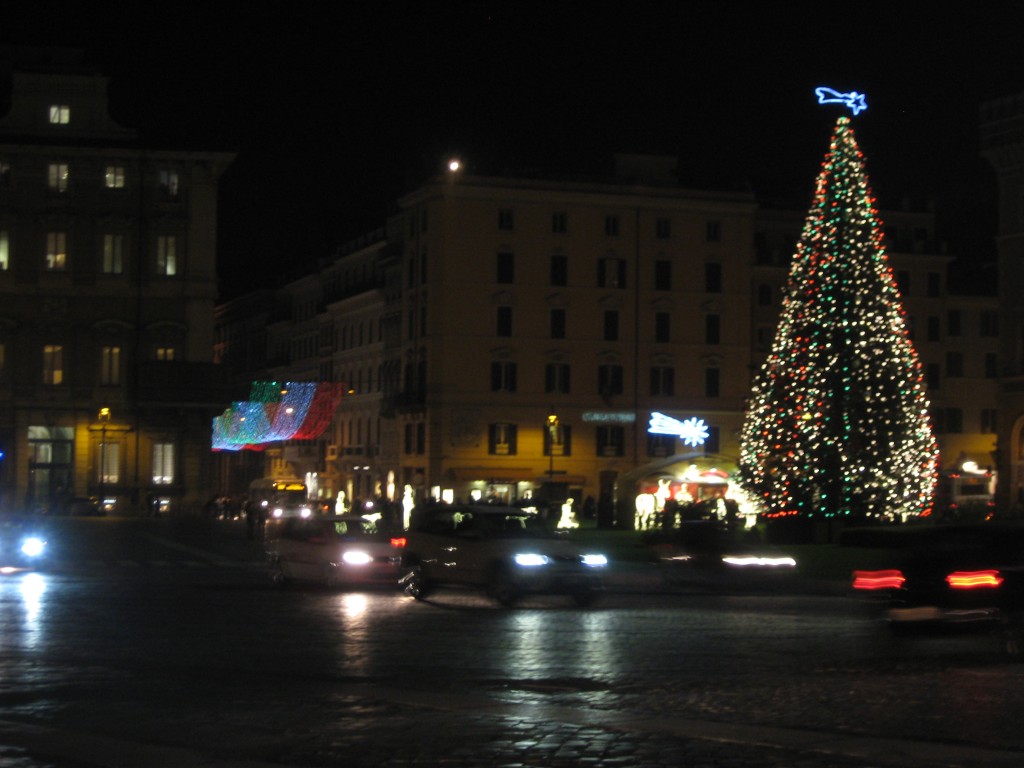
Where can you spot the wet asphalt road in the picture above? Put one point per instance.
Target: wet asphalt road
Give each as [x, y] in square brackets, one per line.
[154, 644]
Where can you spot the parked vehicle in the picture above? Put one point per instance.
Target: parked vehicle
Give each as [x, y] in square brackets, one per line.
[948, 577]
[339, 550]
[506, 551]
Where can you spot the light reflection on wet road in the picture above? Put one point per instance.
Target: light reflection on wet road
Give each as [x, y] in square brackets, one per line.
[241, 665]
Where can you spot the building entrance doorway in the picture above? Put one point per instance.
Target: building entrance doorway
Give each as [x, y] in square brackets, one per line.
[49, 466]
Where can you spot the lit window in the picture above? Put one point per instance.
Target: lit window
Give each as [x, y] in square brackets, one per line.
[113, 254]
[60, 114]
[5, 174]
[108, 460]
[56, 251]
[114, 177]
[166, 255]
[165, 353]
[5, 250]
[163, 463]
[501, 440]
[57, 175]
[53, 364]
[110, 366]
[169, 184]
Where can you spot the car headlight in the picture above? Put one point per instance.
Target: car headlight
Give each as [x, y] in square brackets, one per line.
[33, 546]
[531, 560]
[305, 512]
[355, 557]
[278, 512]
[744, 561]
[594, 561]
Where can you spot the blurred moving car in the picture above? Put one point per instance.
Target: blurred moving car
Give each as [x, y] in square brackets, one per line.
[945, 577]
[708, 554]
[506, 551]
[337, 550]
[22, 544]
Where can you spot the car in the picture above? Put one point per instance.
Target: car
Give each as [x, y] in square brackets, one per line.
[947, 577]
[23, 543]
[506, 551]
[335, 550]
[710, 554]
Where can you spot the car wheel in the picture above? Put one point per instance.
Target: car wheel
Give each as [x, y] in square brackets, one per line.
[417, 585]
[503, 588]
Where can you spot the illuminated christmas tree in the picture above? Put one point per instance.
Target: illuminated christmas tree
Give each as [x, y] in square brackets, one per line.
[837, 424]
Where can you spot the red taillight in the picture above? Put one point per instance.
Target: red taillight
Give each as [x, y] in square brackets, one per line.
[887, 579]
[398, 542]
[974, 579]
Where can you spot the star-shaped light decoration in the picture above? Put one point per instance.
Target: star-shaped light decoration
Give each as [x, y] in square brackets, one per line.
[693, 431]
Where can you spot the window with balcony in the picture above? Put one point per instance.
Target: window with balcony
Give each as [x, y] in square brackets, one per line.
[501, 439]
[610, 440]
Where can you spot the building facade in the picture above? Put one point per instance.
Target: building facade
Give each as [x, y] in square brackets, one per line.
[1002, 145]
[515, 338]
[107, 291]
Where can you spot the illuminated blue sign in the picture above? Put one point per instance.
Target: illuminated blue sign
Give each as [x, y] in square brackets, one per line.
[693, 431]
[855, 101]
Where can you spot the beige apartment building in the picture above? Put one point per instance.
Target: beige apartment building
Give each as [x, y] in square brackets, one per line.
[107, 291]
[516, 337]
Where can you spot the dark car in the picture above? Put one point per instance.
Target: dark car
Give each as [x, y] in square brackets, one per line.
[505, 551]
[949, 577]
[23, 543]
[712, 555]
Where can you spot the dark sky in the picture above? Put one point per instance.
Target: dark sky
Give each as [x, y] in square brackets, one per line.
[335, 113]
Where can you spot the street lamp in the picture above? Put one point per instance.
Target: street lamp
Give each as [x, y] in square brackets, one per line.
[104, 418]
[552, 437]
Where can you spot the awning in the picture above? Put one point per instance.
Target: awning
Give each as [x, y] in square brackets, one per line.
[490, 474]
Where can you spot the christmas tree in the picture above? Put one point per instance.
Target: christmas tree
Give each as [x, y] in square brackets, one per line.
[837, 425]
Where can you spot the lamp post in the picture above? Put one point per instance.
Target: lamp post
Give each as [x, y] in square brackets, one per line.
[552, 437]
[104, 418]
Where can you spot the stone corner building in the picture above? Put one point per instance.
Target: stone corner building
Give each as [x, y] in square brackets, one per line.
[107, 289]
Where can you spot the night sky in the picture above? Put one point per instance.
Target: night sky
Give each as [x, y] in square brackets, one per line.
[336, 113]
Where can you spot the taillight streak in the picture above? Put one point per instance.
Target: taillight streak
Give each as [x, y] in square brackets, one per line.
[886, 579]
[398, 542]
[974, 579]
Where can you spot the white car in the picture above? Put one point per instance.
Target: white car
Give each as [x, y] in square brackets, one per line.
[341, 550]
[505, 551]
